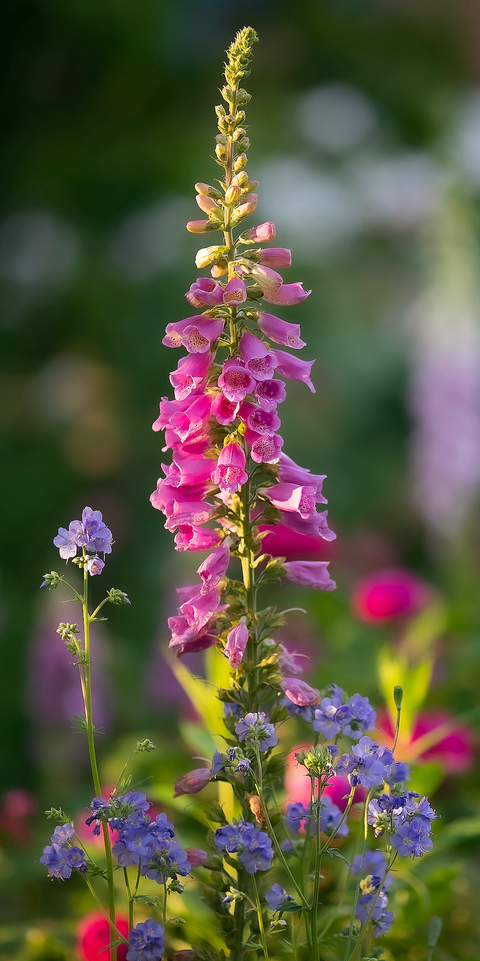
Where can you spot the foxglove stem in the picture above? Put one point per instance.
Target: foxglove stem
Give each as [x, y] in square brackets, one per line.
[93, 756]
[260, 919]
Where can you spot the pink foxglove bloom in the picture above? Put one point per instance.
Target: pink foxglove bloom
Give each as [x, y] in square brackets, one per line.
[198, 607]
[288, 661]
[388, 595]
[269, 393]
[235, 292]
[186, 639]
[206, 203]
[188, 471]
[245, 208]
[193, 782]
[293, 368]
[236, 643]
[174, 332]
[197, 857]
[264, 448]
[299, 692]
[276, 257]
[291, 497]
[190, 374]
[205, 292]
[280, 331]
[261, 421]
[290, 473]
[315, 526]
[215, 566]
[230, 472]
[261, 234]
[235, 380]
[199, 227]
[189, 420]
[310, 574]
[224, 410]
[194, 513]
[287, 295]
[189, 538]
[259, 361]
[198, 337]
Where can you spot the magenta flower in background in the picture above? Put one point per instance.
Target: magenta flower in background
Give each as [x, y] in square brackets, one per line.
[237, 640]
[193, 782]
[387, 595]
[310, 574]
[299, 692]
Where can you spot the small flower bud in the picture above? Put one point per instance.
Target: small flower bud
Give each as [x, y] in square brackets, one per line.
[239, 134]
[202, 226]
[51, 581]
[144, 747]
[221, 139]
[233, 194]
[179, 889]
[117, 597]
[242, 96]
[207, 255]
[245, 208]
[239, 116]
[249, 186]
[241, 178]
[240, 162]
[242, 144]
[219, 269]
[206, 203]
[220, 110]
[207, 191]
[221, 152]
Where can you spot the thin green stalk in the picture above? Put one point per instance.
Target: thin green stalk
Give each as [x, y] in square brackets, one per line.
[260, 919]
[357, 886]
[165, 895]
[318, 862]
[130, 901]
[92, 754]
[373, 906]
[102, 909]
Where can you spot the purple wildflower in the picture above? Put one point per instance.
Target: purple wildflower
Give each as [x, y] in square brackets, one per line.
[255, 727]
[276, 897]
[146, 942]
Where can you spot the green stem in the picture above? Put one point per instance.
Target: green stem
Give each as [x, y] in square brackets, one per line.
[102, 909]
[130, 901]
[316, 883]
[92, 754]
[372, 909]
[165, 895]
[357, 886]
[260, 918]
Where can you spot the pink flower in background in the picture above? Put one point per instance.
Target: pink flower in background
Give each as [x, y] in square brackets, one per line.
[387, 595]
[299, 692]
[16, 807]
[237, 640]
[455, 748]
[193, 782]
[94, 936]
[283, 542]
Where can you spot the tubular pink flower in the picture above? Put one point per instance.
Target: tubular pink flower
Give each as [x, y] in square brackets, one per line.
[256, 356]
[235, 292]
[261, 234]
[193, 782]
[269, 393]
[235, 380]
[264, 449]
[287, 295]
[244, 208]
[187, 417]
[310, 574]
[165, 497]
[215, 566]
[280, 331]
[315, 526]
[186, 470]
[174, 332]
[205, 292]
[290, 473]
[198, 337]
[198, 607]
[193, 643]
[276, 257]
[287, 660]
[259, 420]
[197, 443]
[190, 374]
[293, 368]
[268, 279]
[291, 497]
[224, 410]
[189, 538]
[299, 692]
[194, 513]
[206, 203]
[230, 473]
[236, 643]
[199, 227]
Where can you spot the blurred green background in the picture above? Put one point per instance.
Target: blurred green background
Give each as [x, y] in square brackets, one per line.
[365, 130]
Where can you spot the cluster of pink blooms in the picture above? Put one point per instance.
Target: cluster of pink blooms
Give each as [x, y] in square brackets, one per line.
[223, 426]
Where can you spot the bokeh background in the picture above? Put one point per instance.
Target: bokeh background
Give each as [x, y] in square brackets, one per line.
[365, 130]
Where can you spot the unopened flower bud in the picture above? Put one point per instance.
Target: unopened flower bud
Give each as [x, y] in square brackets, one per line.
[51, 581]
[239, 134]
[258, 234]
[144, 747]
[221, 152]
[206, 203]
[202, 226]
[207, 191]
[242, 96]
[207, 255]
[241, 178]
[239, 116]
[245, 208]
[243, 144]
[249, 186]
[233, 194]
[117, 597]
[219, 269]
[220, 110]
[240, 161]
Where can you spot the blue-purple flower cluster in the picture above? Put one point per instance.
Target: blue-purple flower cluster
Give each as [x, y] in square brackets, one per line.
[141, 841]
[302, 816]
[61, 856]
[89, 533]
[373, 875]
[146, 942]
[255, 728]
[369, 764]
[339, 714]
[254, 847]
[408, 820]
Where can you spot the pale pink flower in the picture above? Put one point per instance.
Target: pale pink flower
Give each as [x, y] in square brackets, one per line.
[199, 227]
[190, 538]
[269, 393]
[287, 295]
[316, 525]
[235, 292]
[205, 292]
[268, 279]
[236, 643]
[197, 857]
[230, 472]
[288, 661]
[280, 331]
[293, 368]
[291, 497]
[245, 208]
[264, 449]
[299, 692]
[261, 234]
[290, 473]
[277, 257]
[206, 203]
[310, 574]
[259, 361]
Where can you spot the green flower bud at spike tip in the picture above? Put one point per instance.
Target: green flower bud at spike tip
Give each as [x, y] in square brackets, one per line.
[398, 696]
